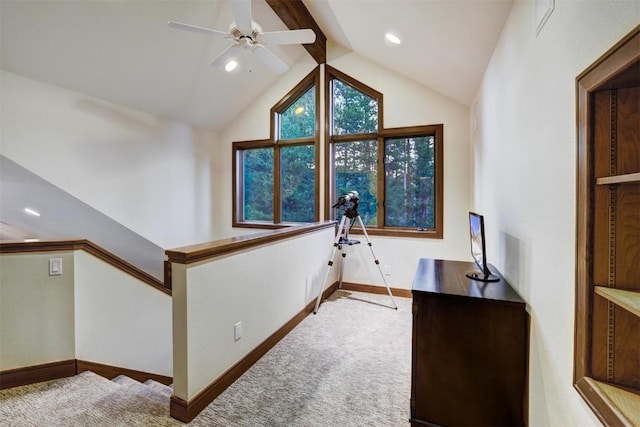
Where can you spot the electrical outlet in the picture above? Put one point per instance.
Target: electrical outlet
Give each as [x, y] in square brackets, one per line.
[55, 266]
[387, 270]
[237, 331]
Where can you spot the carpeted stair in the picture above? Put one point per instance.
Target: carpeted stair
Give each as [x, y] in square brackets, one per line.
[88, 399]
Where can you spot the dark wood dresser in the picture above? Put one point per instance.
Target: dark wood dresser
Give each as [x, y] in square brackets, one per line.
[470, 349]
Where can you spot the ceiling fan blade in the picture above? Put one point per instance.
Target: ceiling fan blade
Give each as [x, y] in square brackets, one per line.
[288, 37]
[221, 59]
[270, 59]
[196, 29]
[242, 15]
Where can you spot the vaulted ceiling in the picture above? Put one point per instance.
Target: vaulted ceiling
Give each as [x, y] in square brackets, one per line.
[123, 51]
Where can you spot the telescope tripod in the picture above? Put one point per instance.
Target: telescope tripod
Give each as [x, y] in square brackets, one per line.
[341, 243]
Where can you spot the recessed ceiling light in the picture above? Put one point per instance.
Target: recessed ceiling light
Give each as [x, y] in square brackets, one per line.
[299, 110]
[31, 240]
[231, 65]
[393, 38]
[31, 212]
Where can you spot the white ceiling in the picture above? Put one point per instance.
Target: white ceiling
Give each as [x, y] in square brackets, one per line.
[123, 51]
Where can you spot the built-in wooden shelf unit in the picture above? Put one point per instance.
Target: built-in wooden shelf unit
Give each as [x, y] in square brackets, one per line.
[607, 338]
[628, 178]
[629, 300]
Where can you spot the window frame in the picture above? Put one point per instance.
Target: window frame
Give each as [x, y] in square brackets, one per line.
[437, 131]
[274, 141]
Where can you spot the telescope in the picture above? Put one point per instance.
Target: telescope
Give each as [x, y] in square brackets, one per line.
[342, 241]
[351, 196]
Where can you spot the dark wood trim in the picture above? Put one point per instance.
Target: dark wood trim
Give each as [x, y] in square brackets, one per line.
[194, 253]
[378, 290]
[286, 101]
[123, 265]
[87, 246]
[110, 372]
[437, 232]
[613, 62]
[68, 368]
[258, 143]
[615, 67]
[296, 16]
[437, 130]
[187, 411]
[329, 176]
[277, 180]
[37, 373]
[40, 246]
[336, 139]
[313, 78]
[601, 406]
[333, 73]
[330, 75]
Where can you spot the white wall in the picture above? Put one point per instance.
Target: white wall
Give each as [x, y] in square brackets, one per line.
[263, 287]
[36, 310]
[406, 103]
[119, 320]
[147, 173]
[524, 153]
[93, 312]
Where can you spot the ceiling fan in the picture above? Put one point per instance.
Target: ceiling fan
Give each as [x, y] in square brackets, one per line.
[247, 35]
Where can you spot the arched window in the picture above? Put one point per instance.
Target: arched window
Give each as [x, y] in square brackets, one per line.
[276, 180]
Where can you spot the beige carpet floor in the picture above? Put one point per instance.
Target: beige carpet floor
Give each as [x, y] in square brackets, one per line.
[348, 365]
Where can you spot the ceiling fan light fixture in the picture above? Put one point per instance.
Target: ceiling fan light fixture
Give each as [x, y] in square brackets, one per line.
[393, 38]
[231, 65]
[246, 34]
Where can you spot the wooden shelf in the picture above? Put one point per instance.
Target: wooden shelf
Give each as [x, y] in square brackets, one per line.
[629, 300]
[619, 179]
[626, 402]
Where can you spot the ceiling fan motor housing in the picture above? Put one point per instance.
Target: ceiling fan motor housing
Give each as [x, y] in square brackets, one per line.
[245, 40]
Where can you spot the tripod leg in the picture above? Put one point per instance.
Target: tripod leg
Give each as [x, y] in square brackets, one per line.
[344, 251]
[336, 245]
[364, 231]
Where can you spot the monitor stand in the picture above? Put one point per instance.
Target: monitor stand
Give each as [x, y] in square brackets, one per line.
[482, 277]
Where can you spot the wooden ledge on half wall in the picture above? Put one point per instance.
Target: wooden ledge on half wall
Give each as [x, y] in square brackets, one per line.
[202, 251]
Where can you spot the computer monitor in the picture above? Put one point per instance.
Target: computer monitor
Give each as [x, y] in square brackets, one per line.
[478, 250]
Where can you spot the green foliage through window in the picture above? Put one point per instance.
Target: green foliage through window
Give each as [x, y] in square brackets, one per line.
[297, 183]
[258, 184]
[409, 182]
[354, 112]
[400, 193]
[356, 168]
[299, 120]
[278, 179]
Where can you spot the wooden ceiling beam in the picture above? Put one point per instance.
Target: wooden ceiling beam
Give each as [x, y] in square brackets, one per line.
[296, 16]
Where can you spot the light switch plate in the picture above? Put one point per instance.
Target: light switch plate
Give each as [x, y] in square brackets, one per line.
[55, 266]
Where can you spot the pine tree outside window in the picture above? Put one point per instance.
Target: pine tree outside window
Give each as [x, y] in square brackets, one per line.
[275, 181]
[397, 172]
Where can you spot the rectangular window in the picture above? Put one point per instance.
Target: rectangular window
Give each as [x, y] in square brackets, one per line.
[297, 189]
[257, 184]
[410, 182]
[356, 169]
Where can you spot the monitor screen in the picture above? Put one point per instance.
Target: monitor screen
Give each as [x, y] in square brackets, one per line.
[476, 229]
[478, 249]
